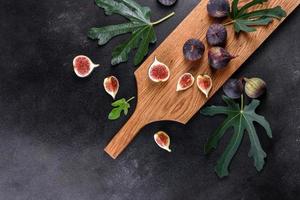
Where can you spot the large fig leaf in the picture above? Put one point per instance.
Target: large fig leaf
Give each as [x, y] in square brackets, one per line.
[139, 25]
[241, 120]
[243, 20]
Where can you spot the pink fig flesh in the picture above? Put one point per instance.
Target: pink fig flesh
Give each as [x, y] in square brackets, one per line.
[185, 81]
[162, 140]
[82, 65]
[204, 83]
[111, 85]
[158, 72]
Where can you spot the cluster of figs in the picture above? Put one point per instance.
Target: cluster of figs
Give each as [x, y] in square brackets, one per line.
[193, 50]
[254, 87]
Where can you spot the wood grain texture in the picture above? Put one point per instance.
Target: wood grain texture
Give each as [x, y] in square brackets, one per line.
[156, 102]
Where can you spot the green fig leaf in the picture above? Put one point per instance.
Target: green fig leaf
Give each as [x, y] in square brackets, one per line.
[240, 119]
[139, 25]
[243, 20]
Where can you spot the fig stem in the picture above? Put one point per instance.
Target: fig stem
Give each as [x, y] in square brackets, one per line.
[242, 102]
[228, 23]
[163, 19]
[130, 99]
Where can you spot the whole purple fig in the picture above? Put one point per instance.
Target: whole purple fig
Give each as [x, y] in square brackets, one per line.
[193, 49]
[167, 2]
[216, 35]
[218, 57]
[233, 88]
[218, 8]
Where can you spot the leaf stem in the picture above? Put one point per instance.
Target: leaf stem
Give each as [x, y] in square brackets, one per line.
[163, 19]
[130, 99]
[228, 23]
[242, 103]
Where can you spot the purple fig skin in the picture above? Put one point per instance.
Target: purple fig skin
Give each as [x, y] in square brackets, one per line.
[233, 88]
[216, 35]
[218, 8]
[218, 57]
[193, 49]
[167, 2]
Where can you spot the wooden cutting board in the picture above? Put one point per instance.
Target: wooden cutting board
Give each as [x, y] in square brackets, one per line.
[157, 102]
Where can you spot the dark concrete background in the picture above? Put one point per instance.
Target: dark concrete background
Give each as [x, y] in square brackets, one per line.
[53, 125]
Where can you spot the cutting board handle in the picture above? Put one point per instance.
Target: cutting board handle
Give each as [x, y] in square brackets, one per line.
[125, 135]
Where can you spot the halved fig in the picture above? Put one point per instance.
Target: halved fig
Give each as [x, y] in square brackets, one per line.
[83, 66]
[204, 83]
[111, 86]
[158, 71]
[185, 81]
[162, 140]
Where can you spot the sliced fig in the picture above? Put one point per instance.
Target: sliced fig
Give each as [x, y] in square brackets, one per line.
[218, 57]
[167, 2]
[204, 83]
[162, 140]
[111, 86]
[185, 81]
[158, 71]
[83, 66]
[193, 49]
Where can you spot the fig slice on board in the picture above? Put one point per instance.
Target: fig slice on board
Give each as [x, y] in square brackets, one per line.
[185, 81]
[162, 140]
[83, 66]
[158, 71]
[204, 83]
[111, 85]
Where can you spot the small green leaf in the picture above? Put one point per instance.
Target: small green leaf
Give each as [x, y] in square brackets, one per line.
[119, 106]
[114, 114]
[240, 120]
[119, 102]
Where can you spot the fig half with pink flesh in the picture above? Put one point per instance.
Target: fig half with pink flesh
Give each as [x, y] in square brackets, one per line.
[158, 71]
[204, 83]
[185, 81]
[162, 140]
[83, 66]
[111, 85]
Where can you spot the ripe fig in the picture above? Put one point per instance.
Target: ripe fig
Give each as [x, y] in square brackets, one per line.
[204, 83]
[158, 72]
[185, 81]
[111, 86]
[218, 8]
[216, 35]
[167, 2]
[255, 87]
[218, 57]
[233, 88]
[162, 140]
[83, 66]
[193, 49]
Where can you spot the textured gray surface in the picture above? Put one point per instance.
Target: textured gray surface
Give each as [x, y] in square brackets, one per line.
[53, 126]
